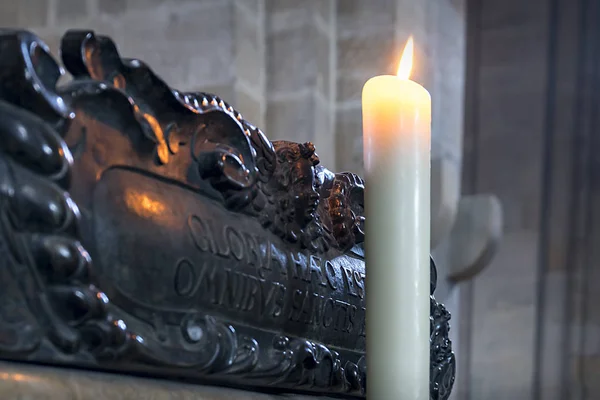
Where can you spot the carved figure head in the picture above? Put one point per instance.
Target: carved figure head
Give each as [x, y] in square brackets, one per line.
[295, 175]
[293, 193]
[346, 210]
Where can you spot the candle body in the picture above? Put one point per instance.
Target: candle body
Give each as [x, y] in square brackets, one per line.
[397, 143]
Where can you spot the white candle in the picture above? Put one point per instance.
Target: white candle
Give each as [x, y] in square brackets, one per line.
[397, 143]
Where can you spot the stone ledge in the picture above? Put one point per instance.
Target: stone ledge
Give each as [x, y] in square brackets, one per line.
[23, 381]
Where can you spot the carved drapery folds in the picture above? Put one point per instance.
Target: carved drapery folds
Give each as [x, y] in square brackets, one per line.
[217, 254]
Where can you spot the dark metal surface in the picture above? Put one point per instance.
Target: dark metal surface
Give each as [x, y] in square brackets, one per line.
[218, 256]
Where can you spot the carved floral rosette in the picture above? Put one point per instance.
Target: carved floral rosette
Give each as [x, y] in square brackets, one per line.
[153, 231]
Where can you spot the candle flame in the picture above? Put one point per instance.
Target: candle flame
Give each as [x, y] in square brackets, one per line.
[406, 61]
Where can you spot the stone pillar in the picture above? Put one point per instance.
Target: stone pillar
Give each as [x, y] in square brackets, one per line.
[446, 52]
[504, 154]
[299, 69]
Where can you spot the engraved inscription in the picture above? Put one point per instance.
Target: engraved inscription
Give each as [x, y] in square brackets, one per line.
[185, 277]
[236, 246]
[230, 289]
[354, 281]
[261, 286]
[317, 310]
[200, 233]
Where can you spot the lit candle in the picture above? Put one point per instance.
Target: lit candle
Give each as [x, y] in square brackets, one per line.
[397, 143]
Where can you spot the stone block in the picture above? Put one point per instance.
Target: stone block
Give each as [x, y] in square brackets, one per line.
[513, 45]
[291, 118]
[176, 65]
[519, 193]
[349, 154]
[422, 69]
[138, 5]
[285, 20]
[9, 14]
[527, 78]
[592, 298]
[324, 53]
[248, 48]
[324, 9]
[69, 11]
[349, 143]
[552, 339]
[292, 62]
[348, 122]
[445, 192]
[413, 16]
[100, 26]
[475, 236]
[286, 15]
[324, 138]
[53, 42]
[590, 345]
[450, 19]
[201, 22]
[516, 259]
[447, 121]
[225, 91]
[521, 104]
[363, 17]
[349, 88]
[32, 13]
[374, 54]
[504, 321]
[526, 116]
[112, 7]
[252, 7]
[444, 74]
[212, 63]
[495, 348]
[250, 106]
[459, 5]
[591, 372]
[283, 5]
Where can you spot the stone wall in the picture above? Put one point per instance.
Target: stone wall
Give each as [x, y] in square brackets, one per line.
[531, 137]
[503, 153]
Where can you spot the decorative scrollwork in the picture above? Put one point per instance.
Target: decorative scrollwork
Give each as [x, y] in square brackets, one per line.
[231, 159]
